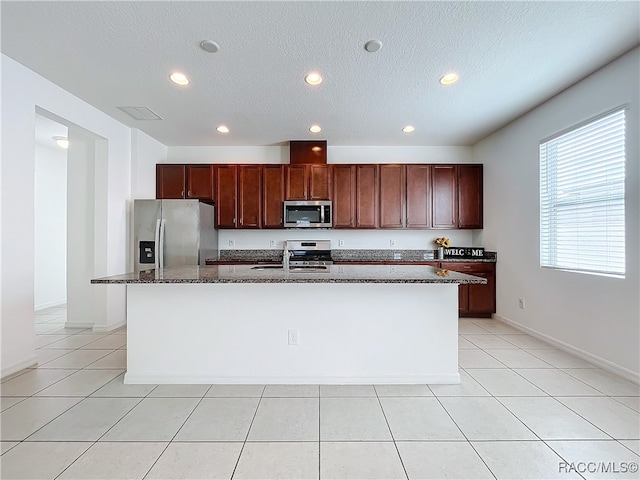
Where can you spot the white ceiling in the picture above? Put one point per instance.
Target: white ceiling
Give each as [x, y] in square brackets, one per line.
[511, 56]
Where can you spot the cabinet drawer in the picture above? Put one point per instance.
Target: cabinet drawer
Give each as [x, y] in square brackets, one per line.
[469, 267]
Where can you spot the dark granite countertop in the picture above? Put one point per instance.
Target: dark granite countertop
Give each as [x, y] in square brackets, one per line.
[345, 256]
[333, 274]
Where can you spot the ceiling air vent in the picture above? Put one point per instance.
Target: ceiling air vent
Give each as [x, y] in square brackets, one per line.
[141, 113]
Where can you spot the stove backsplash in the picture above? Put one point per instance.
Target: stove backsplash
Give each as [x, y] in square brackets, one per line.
[345, 239]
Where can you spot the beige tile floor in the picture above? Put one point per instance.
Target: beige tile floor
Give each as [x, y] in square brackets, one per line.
[523, 410]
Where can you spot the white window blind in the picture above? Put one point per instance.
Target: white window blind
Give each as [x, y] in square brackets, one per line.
[582, 197]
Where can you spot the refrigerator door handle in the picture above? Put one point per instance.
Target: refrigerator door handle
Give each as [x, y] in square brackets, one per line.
[162, 223]
[157, 244]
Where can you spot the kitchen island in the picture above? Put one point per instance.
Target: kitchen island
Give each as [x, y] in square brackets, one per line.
[346, 324]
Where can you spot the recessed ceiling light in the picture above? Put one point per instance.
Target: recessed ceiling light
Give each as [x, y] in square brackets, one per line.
[449, 78]
[315, 128]
[408, 129]
[63, 142]
[223, 129]
[209, 46]
[179, 78]
[313, 78]
[373, 46]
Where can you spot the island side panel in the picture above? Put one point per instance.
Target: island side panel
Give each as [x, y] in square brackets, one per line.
[348, 333]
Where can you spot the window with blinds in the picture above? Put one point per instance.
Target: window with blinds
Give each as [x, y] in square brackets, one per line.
[582, 197]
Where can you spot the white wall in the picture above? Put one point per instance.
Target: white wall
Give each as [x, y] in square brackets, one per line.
[598, 317]
[335, 154]
[146, 152]
[23, 91]
[50, 227]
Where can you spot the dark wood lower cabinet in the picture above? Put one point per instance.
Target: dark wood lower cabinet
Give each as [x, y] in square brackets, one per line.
[475, 300]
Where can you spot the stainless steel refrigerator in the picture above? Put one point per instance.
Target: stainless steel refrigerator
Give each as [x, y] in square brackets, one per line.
[173, 233]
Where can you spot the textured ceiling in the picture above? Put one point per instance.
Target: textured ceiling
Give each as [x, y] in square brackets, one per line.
[511, 56]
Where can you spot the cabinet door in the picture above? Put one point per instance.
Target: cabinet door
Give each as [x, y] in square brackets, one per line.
[463, 298]
[319, 182]
[225, 189]
[366, 196]
[392, 194]
[296, 182]
[444, 196]
[482, 298]
[272, 195]
[469, 196]
[200, 182]
[344, 196]
[418, 193]
[170, 181]
[249, 196]
[479, 299]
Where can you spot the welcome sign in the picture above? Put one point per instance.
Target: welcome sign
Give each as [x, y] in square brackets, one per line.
[464, 252]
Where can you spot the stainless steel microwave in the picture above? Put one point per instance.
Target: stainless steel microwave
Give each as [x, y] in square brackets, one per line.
[308, 214]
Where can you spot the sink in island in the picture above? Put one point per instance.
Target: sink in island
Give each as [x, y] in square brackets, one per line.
[346, 324]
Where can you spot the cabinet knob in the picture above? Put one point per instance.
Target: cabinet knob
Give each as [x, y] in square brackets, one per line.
[189, 193]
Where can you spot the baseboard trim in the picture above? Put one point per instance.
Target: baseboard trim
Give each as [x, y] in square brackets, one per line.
[16, 367]
[57, 303]
[578, 352]
[68, 324]
[285, 380]
[108, 328]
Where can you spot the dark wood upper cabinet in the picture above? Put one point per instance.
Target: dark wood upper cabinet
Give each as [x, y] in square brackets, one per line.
[249, 196]
[470, 196]
[367, 194]
[418, 196]
[307, 182]
[444, 196]
[392, 196]
[226, 187]
[344, 196]
[308, 152]
[170, 181]
[296, 183]
[319, 182]
[200, 182]
[184, 181]
[272, 195]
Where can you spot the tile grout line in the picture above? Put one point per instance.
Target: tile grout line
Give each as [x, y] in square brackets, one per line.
[246, 437]
[393, 438]
[177, 431]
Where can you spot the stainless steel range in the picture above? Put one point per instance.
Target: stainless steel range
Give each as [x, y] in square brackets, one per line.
[307, 253]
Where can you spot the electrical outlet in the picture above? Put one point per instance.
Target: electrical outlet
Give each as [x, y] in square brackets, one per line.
[231, 243]
[392, 242]
[397, 256]
[272, 243]
[521, 303]
[341, 243]
[293, 337]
